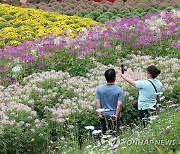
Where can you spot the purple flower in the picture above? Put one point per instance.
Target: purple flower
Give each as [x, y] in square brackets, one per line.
[2, 69]
[105, 54]
[41, 65]
[136, 44]
[107, 44]
[176, 45]
[79, 53]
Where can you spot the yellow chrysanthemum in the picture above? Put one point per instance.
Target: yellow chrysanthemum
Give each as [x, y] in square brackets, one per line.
[28, 23]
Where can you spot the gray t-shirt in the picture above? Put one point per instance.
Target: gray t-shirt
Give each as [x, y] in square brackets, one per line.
[109, 95]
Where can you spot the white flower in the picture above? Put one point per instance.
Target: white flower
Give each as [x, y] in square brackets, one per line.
[56, 40]
[89, 127]
[34, 53]
[173, 105]
[153, 118]
[96, 132]
[17, 68]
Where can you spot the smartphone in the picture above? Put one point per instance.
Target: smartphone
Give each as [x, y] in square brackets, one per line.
[122, 68]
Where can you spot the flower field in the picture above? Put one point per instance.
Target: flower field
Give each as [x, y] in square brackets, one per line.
[51, 65]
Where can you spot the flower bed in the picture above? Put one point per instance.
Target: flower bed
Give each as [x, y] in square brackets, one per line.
[52, 105]
[156, 34]
[94, 10]
[20, 24]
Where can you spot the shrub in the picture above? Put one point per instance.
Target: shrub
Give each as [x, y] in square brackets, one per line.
[140, 10]
[96, 14]
[114, 11]
[102, 19]
[89, 15]
[114, 17]
[124, 11]
[80, 14]
[174, 95]
[108, 14]
[169, 8]
[162, 7]
[120, 15]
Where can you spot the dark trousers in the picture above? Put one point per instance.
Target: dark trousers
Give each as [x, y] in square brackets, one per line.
[107, 124]
[145, 114]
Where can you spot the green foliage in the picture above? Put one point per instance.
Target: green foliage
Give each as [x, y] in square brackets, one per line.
[89, 15]
[124, 11]
[7, 17]
[80, 14]
[140, 10]
[162, 7]
[3, 25]
[153, 10]
[2, 13]
[102, 19]
[108, 14]
[129, 113]
[114, 11]
[128, 15]
[96, 14]
[63, 60]
[162, 136]
[73, 64]
[174, 95]
[17, 24]
[114, 17]
[19, 139]
[120, 15]
[39, 105]
[93, 15]
[79, 120]
[112, 53]
[169, 8]
[176, 6]
[53, 19]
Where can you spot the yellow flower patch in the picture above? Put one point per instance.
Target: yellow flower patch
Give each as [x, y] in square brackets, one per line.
[18, 24]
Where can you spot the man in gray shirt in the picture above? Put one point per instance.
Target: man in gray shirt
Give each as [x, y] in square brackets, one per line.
[109, 97]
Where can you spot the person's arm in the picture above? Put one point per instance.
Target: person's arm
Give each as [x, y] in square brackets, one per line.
[118, 109]
[98, 105]
[132, 82]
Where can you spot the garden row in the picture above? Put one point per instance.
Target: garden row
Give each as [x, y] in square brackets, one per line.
[104, 10]
[100, 12]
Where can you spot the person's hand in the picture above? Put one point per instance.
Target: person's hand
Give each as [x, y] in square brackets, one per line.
[114, 117]
[122, 75]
